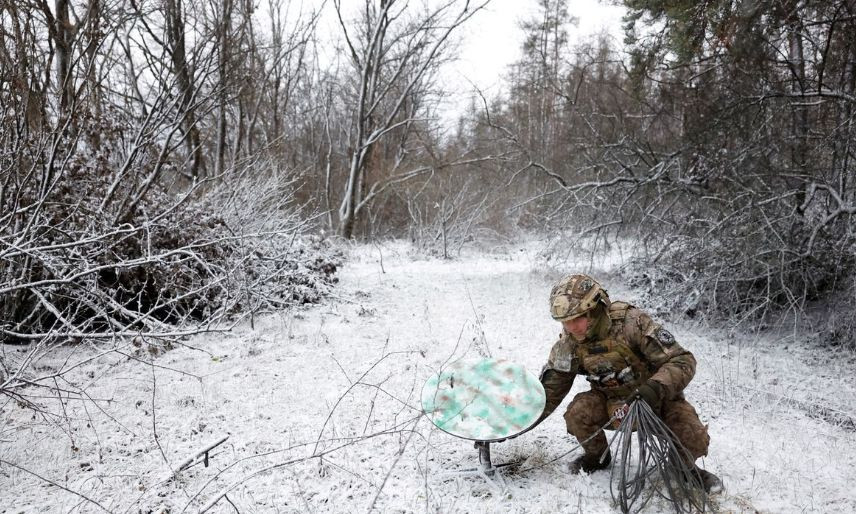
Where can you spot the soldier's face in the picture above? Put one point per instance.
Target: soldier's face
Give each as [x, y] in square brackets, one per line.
[577, 327]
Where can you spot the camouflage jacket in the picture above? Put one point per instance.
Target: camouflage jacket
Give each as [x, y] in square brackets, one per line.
[628, 349]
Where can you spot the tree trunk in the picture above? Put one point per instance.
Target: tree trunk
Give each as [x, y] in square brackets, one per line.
[223, 62]
[93, 36]
[799, 113]
[63, 40]
[174, 14]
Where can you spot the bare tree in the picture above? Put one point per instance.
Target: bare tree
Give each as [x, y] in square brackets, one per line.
[394, 55]
[175, 45]
[101, 238]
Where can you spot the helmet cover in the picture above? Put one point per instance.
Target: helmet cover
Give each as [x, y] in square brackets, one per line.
[575, 295]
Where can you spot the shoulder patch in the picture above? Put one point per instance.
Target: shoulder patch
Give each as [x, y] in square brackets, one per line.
[561, 356]
[665, 337]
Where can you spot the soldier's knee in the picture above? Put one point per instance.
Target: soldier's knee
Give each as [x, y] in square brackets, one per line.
[584, 413]
[683, 420]
[696, 440]
[573, 423]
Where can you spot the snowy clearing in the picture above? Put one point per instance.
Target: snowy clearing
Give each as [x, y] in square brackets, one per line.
[341, 381]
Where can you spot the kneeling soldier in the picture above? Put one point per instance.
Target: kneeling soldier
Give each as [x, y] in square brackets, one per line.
[624, 354]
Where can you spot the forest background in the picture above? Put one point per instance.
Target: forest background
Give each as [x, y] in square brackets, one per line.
[169, 167]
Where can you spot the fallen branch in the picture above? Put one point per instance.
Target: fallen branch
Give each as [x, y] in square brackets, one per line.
[204, 451]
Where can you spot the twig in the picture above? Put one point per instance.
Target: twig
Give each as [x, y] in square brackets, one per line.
[51, 482]
[380, 255]
[154, 419]
[232, 504]
[289, 462]
[348, 390]
[394, 463]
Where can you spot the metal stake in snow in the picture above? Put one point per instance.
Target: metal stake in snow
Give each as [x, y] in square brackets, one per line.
[483, 400]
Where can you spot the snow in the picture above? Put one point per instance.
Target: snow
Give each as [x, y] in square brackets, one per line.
[347, 374]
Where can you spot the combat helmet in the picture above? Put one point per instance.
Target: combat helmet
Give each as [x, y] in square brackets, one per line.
[576, 295]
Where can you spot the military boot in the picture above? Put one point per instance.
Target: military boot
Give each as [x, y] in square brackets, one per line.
[711, 483]
[589, 463]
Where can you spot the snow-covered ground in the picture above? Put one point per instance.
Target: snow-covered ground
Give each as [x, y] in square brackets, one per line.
[342, 380]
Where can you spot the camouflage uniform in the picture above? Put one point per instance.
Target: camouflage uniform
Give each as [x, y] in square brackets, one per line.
[623, 349]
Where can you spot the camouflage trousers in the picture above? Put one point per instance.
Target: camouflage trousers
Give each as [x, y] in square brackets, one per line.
[587, 413]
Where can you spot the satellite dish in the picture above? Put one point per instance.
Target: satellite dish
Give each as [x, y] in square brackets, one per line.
[485, 400]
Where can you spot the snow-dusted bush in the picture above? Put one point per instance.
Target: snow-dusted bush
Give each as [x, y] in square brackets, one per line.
[70, 269]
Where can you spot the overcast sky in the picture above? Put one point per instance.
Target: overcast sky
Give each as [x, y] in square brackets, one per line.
[492, 40]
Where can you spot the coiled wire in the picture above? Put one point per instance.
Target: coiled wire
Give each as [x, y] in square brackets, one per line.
[650, 452]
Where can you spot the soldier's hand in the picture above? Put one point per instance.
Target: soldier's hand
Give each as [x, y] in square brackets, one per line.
[651, 392]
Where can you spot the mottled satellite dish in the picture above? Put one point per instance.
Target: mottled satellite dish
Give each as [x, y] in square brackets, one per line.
[483, 399]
